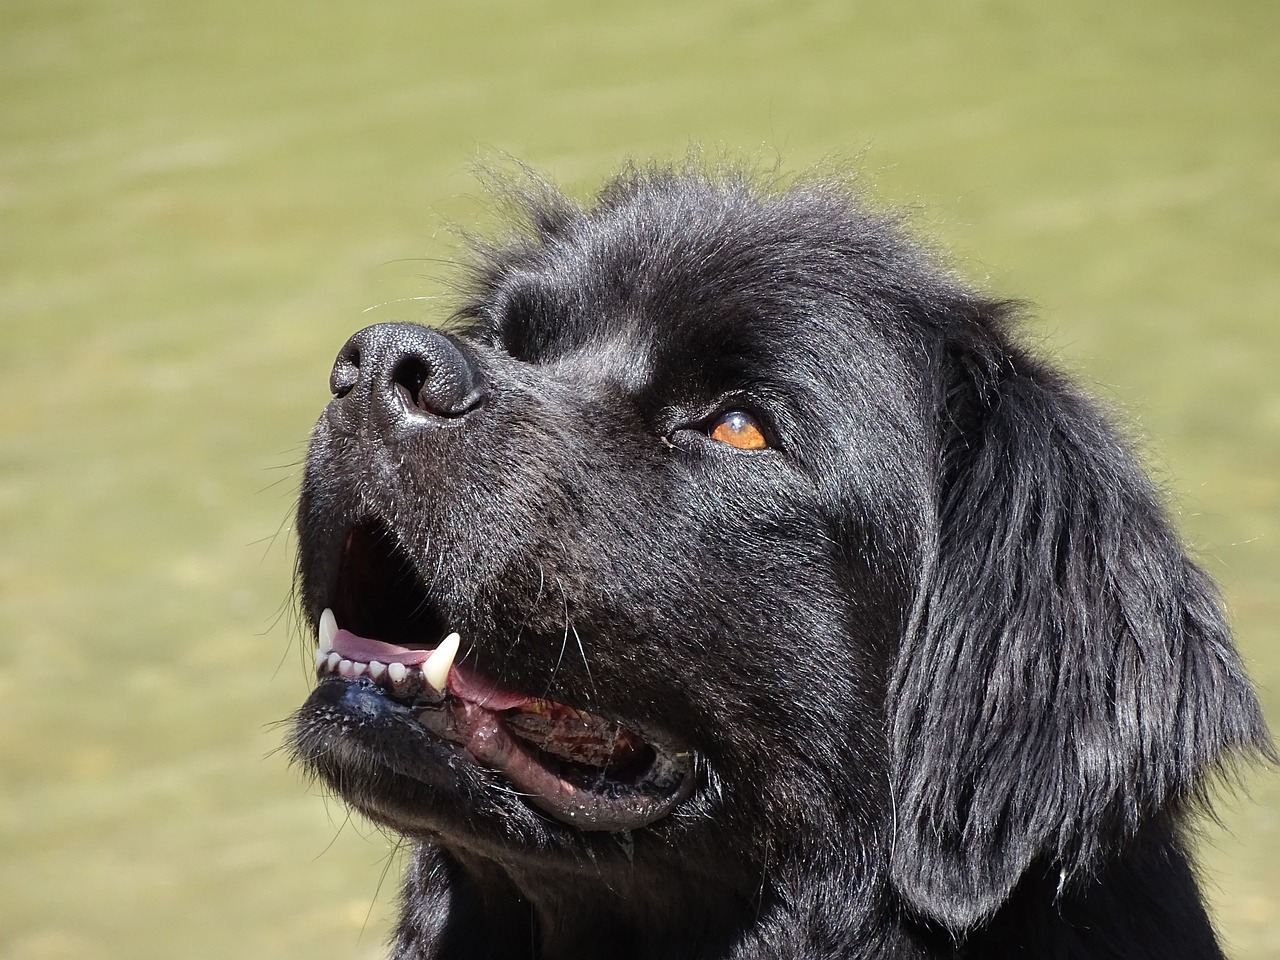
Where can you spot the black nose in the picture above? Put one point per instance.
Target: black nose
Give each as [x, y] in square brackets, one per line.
[401, 375]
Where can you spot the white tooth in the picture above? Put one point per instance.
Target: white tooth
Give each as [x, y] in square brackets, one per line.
[332, 662]
[346, 669]
[327, 630]
[436, 669]
[322, 657]
[360, 668]
[377, 669]
[397, 672]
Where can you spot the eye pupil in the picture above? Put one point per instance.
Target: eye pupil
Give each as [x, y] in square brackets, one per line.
[741, 430]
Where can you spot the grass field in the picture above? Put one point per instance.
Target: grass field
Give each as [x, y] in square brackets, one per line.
[198, 201]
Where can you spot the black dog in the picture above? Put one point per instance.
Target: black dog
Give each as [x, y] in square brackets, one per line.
[800, 611]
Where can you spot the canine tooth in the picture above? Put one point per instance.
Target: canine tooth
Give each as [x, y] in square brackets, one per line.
[332, 663]
[377, 669]
[322, 657]
[436, 669]
[327, 630]
[397, 672]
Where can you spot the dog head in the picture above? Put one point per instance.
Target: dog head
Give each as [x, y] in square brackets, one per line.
[769, 554]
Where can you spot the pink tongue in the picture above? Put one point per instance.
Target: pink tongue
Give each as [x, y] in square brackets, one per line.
[462, 682]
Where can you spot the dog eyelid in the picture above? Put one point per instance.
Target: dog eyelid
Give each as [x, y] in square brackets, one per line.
[739, 429]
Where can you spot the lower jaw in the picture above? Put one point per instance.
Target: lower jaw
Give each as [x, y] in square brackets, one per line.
[584, 798]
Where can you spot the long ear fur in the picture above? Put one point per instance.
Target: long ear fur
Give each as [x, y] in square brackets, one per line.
[1069, 674]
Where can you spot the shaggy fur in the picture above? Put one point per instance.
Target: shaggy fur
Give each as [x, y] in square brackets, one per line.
[949, 682]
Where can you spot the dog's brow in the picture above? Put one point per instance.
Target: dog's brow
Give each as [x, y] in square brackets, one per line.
[626, 361]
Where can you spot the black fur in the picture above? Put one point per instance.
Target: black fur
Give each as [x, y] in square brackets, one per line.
[950, 682]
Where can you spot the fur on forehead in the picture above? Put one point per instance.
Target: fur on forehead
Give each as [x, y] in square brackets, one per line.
[709, 262]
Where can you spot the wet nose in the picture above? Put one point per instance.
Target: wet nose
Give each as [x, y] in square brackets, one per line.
[405, 376]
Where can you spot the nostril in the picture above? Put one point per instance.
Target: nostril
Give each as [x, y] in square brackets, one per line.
[439, 383]
[346, 372]
[408, 378]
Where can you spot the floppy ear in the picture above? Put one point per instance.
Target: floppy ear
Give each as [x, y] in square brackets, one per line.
[1069, 673]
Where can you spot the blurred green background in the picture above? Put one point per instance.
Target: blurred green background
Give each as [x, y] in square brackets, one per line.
[199, 201]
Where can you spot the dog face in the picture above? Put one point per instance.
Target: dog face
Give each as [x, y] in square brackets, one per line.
[648, 482]
[761, 540]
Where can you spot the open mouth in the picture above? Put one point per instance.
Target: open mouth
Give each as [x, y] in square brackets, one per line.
[585, 770]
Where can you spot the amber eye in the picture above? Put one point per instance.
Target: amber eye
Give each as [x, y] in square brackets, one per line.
[740, 430]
